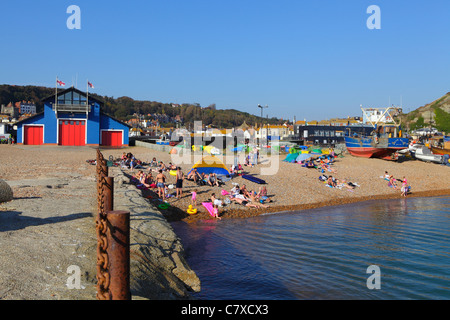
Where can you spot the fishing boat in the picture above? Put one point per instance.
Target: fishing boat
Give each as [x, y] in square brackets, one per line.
[439, 150]
[383, 142]
[424, 153]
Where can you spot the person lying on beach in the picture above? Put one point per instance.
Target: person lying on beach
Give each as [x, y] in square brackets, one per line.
[343, 183]
[243, 201]
[255, 201]
[325, 167]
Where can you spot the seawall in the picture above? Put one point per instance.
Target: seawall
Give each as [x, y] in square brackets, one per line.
[158, 270]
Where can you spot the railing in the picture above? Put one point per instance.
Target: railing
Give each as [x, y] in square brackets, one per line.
[72, 107]
[113, 240]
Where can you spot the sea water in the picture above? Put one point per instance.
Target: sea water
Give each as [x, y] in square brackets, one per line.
[325, 253]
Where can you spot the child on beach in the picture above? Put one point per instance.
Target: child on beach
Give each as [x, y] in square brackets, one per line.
[404, 188]
[194, 198]
[216, 212]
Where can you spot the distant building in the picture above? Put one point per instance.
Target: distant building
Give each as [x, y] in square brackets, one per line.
[72, 120]
[26, 107]
[10, 110]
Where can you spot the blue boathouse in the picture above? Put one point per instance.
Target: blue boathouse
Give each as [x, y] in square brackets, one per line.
[72, 119]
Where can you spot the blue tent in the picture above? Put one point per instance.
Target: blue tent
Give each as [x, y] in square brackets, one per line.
[291, 157]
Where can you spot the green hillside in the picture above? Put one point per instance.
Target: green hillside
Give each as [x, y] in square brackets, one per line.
[125, 108]
[435, 114]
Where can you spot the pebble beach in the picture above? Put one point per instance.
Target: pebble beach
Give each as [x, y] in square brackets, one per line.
[293, 187]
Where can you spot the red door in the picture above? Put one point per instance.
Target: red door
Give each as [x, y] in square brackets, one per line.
[72, 132]
[33, 135]
[112, 138]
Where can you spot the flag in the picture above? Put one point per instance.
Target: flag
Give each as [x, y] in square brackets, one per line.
[90, 85]
[62, 84]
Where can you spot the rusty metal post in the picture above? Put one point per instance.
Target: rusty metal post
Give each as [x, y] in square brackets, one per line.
[108, 194]
[118, 236]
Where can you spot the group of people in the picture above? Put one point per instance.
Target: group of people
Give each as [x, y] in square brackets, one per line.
[128, 160]
[247, 198]
[392, 183]
[155, 177]
[210, 179]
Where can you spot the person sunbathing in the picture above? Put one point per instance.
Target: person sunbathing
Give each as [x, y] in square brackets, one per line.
[254, 201]
[243, 201]
[331, 182]
[262, 194]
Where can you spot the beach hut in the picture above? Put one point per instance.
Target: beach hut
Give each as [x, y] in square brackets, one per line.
[211, 164]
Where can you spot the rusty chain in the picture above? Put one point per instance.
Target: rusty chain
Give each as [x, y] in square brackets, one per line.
[103, 277]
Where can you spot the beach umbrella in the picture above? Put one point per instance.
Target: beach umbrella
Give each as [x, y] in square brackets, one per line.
[302, 157]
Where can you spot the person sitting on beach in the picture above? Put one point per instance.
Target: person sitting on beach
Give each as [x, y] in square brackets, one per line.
[171, 166]
[386, 176]
[235, 190]
[244, 191]
[162, 166]
[331, 182]
[215, 201]
[216, 212]
[153, 163]
[254, 201]
[194, 175]
[392, 182]
[262, 194]
[212, 180]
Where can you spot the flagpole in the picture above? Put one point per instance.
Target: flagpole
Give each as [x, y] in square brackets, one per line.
[87, 94]
[56, 94]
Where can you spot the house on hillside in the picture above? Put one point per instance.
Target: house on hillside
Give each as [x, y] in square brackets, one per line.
[72, 119]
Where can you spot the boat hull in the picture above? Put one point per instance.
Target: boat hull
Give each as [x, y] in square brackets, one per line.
[440, 151]
[366, 147]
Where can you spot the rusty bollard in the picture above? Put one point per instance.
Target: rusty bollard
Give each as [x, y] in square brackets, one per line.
[118, 236]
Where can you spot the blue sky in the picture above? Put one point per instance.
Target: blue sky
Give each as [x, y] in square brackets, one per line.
[308, 59]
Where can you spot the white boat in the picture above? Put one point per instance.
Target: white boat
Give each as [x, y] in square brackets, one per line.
[411, 148]
[424, 153]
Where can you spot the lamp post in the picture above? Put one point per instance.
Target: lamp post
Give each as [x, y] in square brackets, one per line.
[261, 107]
